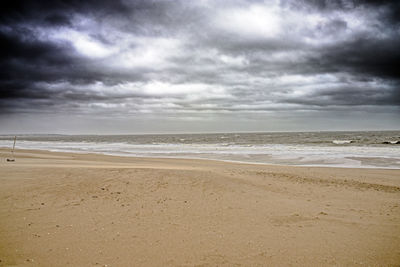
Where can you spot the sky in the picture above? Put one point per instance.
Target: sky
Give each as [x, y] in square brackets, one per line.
[162, 66]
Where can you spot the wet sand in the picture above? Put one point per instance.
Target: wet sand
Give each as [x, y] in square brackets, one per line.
[64, 209]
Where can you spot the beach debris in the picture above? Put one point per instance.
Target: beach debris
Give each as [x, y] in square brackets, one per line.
[12, 159]
[323, 213]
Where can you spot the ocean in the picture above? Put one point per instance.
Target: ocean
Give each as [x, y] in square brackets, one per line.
[366, 149]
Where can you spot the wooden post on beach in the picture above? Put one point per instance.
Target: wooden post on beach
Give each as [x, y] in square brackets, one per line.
[12, 151]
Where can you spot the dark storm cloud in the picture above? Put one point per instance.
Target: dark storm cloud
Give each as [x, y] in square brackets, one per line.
[57, 20]
[198, 56]
[54, 12]
[365, 55]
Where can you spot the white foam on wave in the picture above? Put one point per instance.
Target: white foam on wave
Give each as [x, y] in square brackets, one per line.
[342, 142]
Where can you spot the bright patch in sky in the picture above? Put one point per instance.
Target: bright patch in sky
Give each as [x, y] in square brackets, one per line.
[84, 44]
[254, 22]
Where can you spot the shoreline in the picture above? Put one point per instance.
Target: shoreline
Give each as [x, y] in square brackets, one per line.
[126, 155]
[70, 209]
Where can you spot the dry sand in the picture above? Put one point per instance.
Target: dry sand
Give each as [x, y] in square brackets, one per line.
[62, 209]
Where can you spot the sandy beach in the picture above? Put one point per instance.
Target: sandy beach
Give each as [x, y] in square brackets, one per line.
[64, 209]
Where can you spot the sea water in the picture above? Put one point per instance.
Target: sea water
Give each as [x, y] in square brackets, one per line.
[367, 149]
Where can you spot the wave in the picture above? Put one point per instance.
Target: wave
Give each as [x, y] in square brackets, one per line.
[289, 154]
[391, 142]
[342, 142]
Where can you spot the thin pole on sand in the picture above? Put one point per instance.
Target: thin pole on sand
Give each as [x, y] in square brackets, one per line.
[15, 140]
[12, 151]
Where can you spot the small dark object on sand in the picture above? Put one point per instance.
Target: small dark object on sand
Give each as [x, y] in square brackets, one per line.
[10, 160]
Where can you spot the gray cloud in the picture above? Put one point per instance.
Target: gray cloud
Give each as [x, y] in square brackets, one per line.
[112, 58]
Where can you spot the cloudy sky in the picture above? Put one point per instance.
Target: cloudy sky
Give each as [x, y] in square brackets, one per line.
[147, 66]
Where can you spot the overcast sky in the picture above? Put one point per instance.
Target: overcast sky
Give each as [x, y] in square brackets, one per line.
[199, 66]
